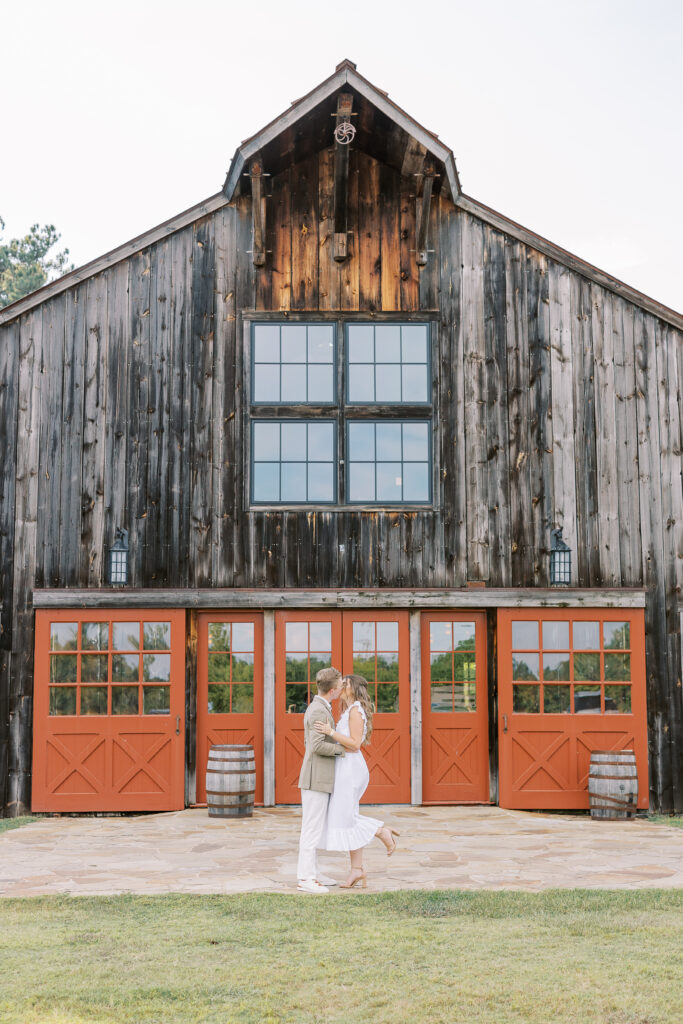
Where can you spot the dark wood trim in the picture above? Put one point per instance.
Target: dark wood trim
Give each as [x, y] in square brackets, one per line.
[484, 597]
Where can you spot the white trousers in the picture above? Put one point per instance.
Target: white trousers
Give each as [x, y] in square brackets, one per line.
[313, 822]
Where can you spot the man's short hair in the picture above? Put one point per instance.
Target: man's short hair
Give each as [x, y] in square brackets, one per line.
[326, 679]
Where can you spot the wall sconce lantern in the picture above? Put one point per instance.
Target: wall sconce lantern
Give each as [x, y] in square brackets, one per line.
[118, 558]
[560, 561]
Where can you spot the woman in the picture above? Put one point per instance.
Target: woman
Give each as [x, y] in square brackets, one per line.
[346, 828]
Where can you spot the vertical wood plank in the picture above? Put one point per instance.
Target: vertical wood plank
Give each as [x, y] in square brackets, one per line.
[390, 238]
[329, 283]
[203, 336]
[282, 243]
[227, 468]
[415, 711]
[117, 404]
[350, 270]
[72, 436]
[49, 479]
[410, 284]
[180, 418]
[138, 403]
[94, 426]
[541, 460]
[606, 440]
[588, 563]
[369, 234]
[630, 550]
[475, 387]
[562, 406]
[158, 551]
[304, 183]
[500, 566]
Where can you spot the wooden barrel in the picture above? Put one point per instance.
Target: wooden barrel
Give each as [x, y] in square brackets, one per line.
[230, 781]
[613, 784]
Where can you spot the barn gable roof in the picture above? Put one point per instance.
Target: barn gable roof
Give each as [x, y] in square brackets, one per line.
[384, 131]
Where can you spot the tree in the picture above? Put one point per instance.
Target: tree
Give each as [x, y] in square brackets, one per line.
[25, 264]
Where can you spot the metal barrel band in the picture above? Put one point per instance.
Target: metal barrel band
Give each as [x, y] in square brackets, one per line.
[216, 771]
[232, 796]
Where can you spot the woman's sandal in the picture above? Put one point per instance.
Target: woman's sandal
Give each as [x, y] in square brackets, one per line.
[362, 878]
[392, 832]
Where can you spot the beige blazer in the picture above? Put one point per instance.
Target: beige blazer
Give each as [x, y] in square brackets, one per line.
[317, 771]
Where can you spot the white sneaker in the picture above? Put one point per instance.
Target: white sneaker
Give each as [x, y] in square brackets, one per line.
[326, 880]
[310, 885]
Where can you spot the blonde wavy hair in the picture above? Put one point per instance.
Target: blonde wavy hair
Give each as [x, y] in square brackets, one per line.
[359, 689]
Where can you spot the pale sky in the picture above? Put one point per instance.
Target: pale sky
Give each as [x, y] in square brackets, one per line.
[564, 116]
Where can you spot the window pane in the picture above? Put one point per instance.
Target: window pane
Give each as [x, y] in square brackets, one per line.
[125, 668]
[296, 636]
[63, 636]
[361, 485]
[320, 383]
[219, 668]
[294, 442]
[243, 668]
[62, 700]
[361, 383]
[266, 382]
[464, 667]
[364, 665]
[296, 667]
[441, 669]
[95, 636]
[463, 636]
[266, 343]
[293, 383]
[156, 668]
[387, 668]
[125, 636]
[242, 700]
[364, 636]
[317, 661]
[555, 635]
[156, 636]
[586, 667]
[63, 668]
[266, 481]
[388, 442]
[586, 636]
[266, 442]
[94, 668]
[388, 383]
[293, 343]
[321, 481]
[416, 442]
[618, 700]
[156, 700]
[556, 666]
[586, 702]
[440, 636]
[617, 635]
[389, 481]
[415, 481]
[296, 699]
[524, 635]
[557, 700]
[243, 636]
[525, 666]
[526, 699]
[321, 343]
[441, 697]
[321, 636]
[124, 700]
[387, 343]
[387, 698]
[219, 699]
[219, 636]
[617, 666]
[387, 636]
[414, 343]
[464, 697]
[93, 700]
[293, 481]
[360, 342]
[321, 442]
[362, 442]
[414, 383]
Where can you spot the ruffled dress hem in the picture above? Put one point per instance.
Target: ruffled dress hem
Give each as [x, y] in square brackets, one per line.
[363, 832]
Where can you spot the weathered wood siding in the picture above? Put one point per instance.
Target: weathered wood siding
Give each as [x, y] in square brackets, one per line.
[558, 401]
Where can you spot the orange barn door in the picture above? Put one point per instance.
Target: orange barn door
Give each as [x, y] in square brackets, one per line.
[570, 682]
[455, 765]
[229, 688]
[374, 644]
[109, 711]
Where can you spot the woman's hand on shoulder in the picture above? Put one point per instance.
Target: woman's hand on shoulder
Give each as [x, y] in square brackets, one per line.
[324, 727]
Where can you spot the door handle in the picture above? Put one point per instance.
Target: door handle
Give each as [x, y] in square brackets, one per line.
[177, 725]
[505, 723]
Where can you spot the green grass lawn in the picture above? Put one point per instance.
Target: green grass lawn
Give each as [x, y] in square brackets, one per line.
[439, 957]
[666, 819]
[8, 823]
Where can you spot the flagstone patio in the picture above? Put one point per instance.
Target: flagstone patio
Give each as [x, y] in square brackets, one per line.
[465, 847]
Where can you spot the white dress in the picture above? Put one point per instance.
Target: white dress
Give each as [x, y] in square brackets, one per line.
[346, 828]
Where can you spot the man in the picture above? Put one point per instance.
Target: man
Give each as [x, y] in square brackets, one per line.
[316, 780]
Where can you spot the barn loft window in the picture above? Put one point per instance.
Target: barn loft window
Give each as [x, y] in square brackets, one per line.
[341, 413]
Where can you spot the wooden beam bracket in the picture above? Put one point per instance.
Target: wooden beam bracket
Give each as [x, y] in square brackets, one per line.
[258, 213]
[341, 180]
[423, 206]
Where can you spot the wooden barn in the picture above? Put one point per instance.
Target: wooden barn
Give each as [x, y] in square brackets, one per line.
[336, 414]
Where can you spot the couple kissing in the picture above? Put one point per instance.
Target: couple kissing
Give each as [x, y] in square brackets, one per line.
[333, 778]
